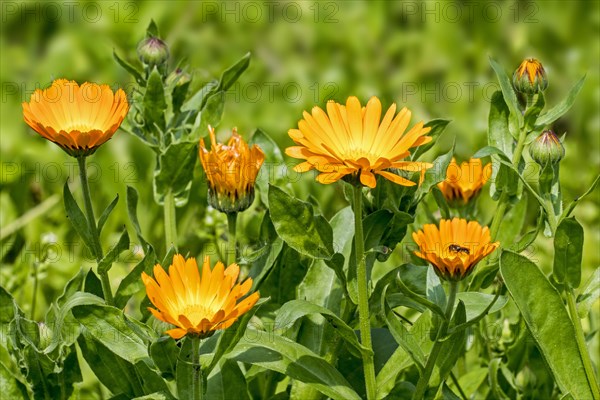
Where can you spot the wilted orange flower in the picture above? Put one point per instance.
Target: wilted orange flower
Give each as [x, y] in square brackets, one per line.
[77, 118]
[197, 305]
[231, 170]
[355, 140]
[464, 182]
[455, 247]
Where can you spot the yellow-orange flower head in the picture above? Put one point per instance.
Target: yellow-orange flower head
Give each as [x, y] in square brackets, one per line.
[455, 247]
[464, 182]
[198, 304]
[77, 118]
[354, 140]
[231, 170]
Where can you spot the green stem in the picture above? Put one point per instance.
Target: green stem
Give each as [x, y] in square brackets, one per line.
[503, 201]
[550, 216]
[583, 350]
[197, 381]
[91, 220]
[170, 221]
[363, 295]
[437, 346]
[232, 226]
[35, 290]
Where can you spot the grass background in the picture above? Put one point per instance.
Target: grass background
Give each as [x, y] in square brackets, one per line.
[429, 56]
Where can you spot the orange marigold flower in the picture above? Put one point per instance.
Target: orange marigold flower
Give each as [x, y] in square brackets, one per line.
[231, 170]
[464, 182]
[77, 118]
[198, 305]
[455, 247]
[354, 140]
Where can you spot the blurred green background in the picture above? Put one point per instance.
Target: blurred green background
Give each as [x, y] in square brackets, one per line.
[429, 56]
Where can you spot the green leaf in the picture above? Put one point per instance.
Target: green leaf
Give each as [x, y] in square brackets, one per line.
[231, 74]
[453, 347]
[211, 114]
[477, 303]
[437, 128]
[568, 248]
[402, 336]
[132, 283]
[510, 97]
[10, 386]
[154, 104]
[164, 352]
[296, 224]
[106, 213]
[296, 309]
[196, 102]
[106, 263]
[133, 71]
[92, 284]
[79, 298]
[231, 337]
[542, 308]
[228, 382]
[132, 200]
[569, 209]
[498, 133]
[422, 299]
[274, 169]
[78, 219]
[117, 374]
[533, 112]
[512, 223]
[589, 295]
[282, 355]
[110, 326]
[152, 30]
[150, 380]
[174, 172]
[560, 109]
[434, 175]
[441, 202]
[470, 381]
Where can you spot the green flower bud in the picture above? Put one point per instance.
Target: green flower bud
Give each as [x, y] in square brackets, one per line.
[178, 77]
[230, 204]
[530, 77]
[153, 51]
[547, 149]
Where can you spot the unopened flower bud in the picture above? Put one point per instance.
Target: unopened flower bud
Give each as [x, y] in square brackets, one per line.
[153, 51]
[178, 77]
[530, 77]
[547, 149]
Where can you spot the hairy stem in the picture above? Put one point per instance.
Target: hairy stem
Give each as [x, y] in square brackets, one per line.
[437, 346]
[91, 220]
[231, 239]
[170, 221]
[363, 295]
[583, 350]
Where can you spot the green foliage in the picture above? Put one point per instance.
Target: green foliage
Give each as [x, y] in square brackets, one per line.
[65, 337]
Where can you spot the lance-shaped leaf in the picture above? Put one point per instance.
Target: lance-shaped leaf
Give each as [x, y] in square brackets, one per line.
[568, 248]
[295, 309]
[78, 219]
[544, 313]
[296, 224]
[560, 109]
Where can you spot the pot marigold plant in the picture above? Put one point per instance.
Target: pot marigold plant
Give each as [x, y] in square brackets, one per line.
[384, 254]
